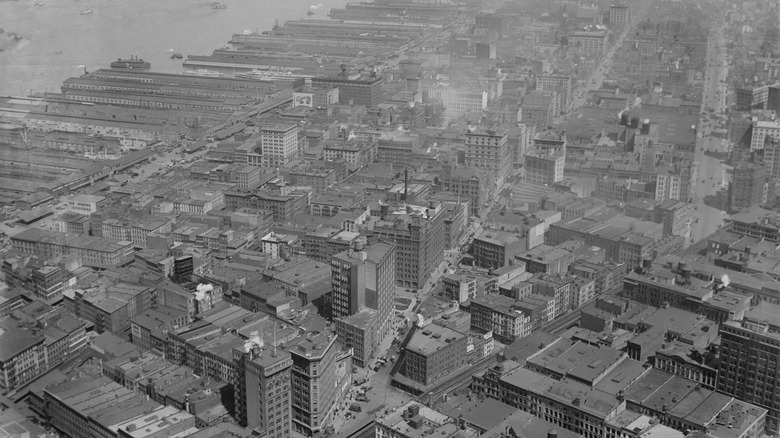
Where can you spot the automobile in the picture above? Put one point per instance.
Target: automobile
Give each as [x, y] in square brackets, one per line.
[376, 369]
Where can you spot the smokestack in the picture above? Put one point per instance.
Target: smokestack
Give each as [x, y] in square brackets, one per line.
[406, 182]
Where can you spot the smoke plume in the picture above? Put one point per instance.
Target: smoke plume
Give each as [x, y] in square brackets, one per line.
[254, 340]
[202, 289]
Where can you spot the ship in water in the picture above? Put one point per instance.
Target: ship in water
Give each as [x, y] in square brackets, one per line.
[203, 72]
[281, 77]
[218, 5]
[309, 12]
[134, 63]
[86, 11]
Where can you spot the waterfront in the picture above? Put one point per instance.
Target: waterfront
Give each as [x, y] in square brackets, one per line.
[57, 38]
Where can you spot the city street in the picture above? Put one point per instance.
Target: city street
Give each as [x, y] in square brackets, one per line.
[380, 394]
[595, 80]
[711, 171]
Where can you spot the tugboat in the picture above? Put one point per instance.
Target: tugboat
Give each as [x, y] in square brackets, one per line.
[176, 55]
[134, 63]
[309, 12]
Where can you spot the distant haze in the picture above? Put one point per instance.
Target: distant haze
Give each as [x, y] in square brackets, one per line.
[58, 38]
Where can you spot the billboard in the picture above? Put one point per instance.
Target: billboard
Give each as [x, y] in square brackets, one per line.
[303, 99]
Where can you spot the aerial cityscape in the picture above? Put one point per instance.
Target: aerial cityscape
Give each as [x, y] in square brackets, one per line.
[390, 219]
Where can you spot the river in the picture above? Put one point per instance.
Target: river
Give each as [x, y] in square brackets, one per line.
[58, 36]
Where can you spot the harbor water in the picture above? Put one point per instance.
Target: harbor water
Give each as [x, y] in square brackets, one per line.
[60, 38]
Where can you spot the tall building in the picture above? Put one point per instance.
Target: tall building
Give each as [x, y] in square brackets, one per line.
[490, 23]
[561, 84]
[619, 14]
[468, 184]
[366, 92]
[750, 364]
[589, 43]
[763, 129]
[262, 389]
[488, 149]
[773, 98]
[543, 170]
[539, 108]
[772, 157]
[321, 375]
[278, 145]
[751, 96]
[419, 235]
[748, 186]
[364, 276]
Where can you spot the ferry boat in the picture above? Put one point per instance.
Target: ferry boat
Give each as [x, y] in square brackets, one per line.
[134, 63]
[272, 76]
[203, 72]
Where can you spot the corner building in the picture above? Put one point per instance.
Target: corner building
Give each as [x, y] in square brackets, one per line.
[321, 373]
[750, 366]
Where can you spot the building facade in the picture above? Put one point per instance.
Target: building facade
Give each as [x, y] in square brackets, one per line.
[262, 390]
[364, 276]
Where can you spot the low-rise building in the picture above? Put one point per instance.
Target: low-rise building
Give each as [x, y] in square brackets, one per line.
[432, 353]
[498, 314]
[358, 333]
[93, 251]
[495, 249]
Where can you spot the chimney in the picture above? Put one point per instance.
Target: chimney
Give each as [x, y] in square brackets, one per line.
[646, 127]
[647, 264]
